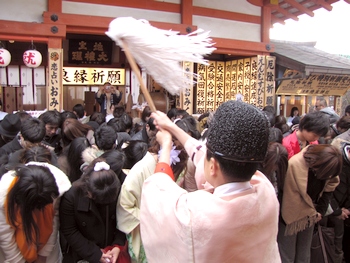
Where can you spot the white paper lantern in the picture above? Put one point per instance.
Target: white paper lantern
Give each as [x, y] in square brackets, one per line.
[5, 57]
[32, 58]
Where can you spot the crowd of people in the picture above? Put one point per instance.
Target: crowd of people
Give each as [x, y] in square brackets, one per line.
[236, 185]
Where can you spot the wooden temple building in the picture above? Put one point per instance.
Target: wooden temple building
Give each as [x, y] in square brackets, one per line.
[77, 56]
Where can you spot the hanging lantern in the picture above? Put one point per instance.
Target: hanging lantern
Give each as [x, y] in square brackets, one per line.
[32, 58]
[5, 56]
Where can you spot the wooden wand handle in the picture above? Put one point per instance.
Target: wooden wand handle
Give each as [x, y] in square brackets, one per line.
[136, 70]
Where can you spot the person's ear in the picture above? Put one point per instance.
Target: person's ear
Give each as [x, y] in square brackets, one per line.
[213, 166]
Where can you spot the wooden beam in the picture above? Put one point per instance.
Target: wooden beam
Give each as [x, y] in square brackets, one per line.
[285, 13]
[54, 6]
[236, 52]
[324, 4]
[32, 29]
[275, 19]
[99, 24]
[256, 2]
[232, 16]
[300, 7]
[248, 46]
[24, 38]
[144, 4]
[347, 1]
[265, 23]
[187, 12]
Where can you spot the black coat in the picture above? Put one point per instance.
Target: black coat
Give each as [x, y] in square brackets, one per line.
[102, 100]
[84, 227]
[11, 147]
[341, 194]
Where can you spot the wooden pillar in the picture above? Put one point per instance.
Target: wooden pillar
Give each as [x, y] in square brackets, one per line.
[265, 23]
[54, 6]
[186, 12]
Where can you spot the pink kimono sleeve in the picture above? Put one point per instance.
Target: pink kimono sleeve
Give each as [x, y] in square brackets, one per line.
[196, 151]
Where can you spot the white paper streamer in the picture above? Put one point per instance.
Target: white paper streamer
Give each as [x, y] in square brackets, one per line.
[159, 51]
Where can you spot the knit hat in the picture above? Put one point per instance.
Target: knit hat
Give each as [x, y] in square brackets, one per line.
[239, 132]
[10, 125]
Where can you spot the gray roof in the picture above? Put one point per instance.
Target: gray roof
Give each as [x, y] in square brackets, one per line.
[310, 58]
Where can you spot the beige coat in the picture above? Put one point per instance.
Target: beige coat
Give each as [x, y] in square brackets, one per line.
[298, 210]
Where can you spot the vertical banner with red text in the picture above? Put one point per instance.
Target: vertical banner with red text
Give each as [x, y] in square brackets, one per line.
[54, 84]
[211, 83]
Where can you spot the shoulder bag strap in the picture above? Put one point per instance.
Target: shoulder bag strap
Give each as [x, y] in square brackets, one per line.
[324, 252]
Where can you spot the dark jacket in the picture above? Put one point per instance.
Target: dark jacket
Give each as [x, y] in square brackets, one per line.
[54, 142]
[10, 147]
[102, 100]
[141, 136]
[84, 227]
[341, 194]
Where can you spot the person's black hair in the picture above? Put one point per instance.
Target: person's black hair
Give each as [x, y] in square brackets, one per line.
[23, 115]
[116, 160]
[98, 117]
[238, 139]
[37, 153]
[151, 125]
[52, 117]
[181, 112]
[67, 115]
[343, 123]
[271, 117]
[74, 157]
[275, 135]
[127, 120]
[102, 186]
[270, 109]
[347, 109]
[172, 113]
[134, 152]
[275, 166]
[93, 124]
[280, 120]
[105, 137]
[296, 120]
[117, 125]
[146, 113]
[79, 110]
[292, 111]
[315, 122]
[36, 187]
[118, 111]
[188, 124]
[33, 130]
